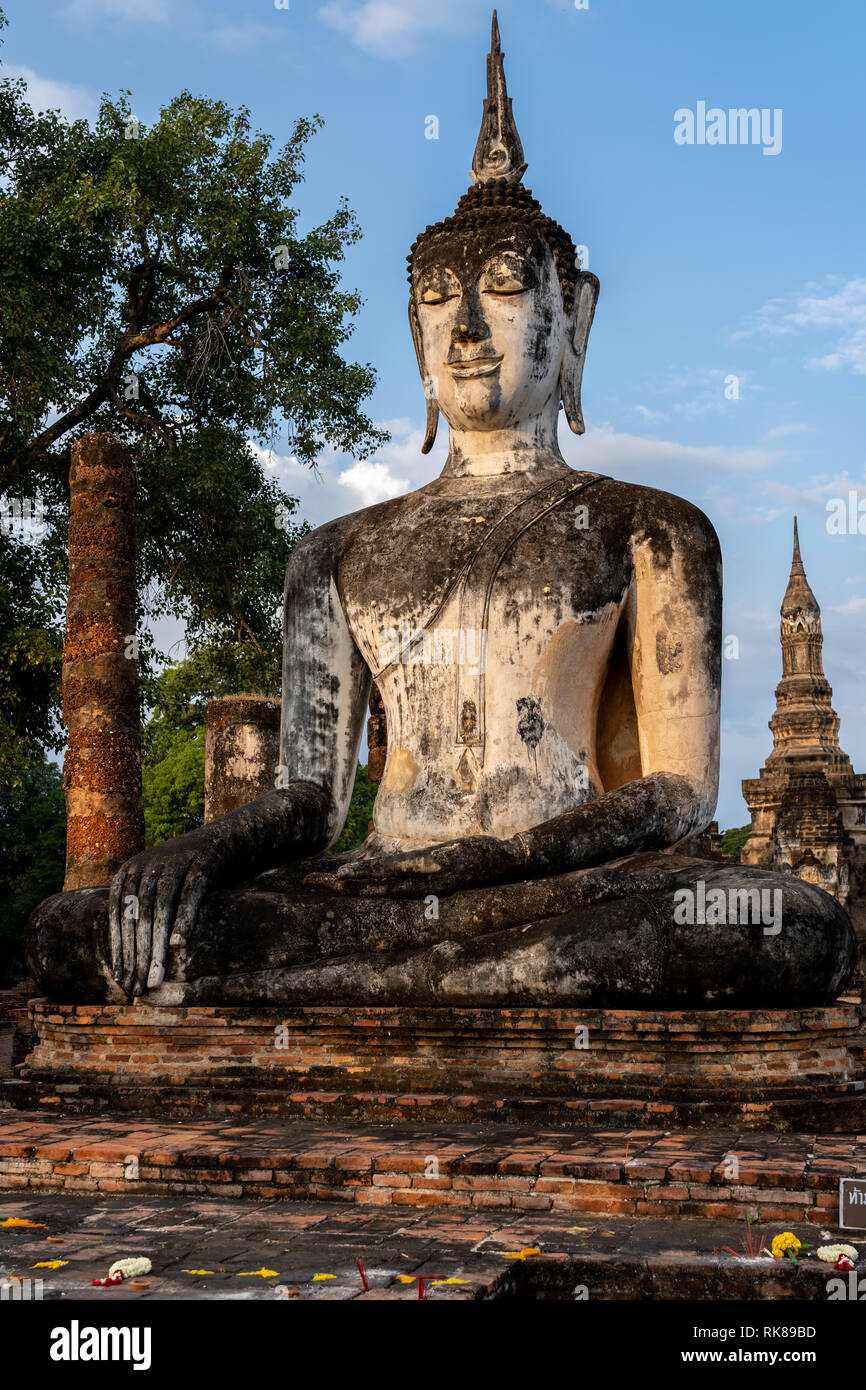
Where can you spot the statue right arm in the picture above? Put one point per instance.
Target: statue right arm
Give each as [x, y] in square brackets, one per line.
[156, 895]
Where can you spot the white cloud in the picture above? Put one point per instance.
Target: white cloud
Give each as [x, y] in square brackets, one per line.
[636, 457]
[651, 416]
[373, 482]
[784, 431]
[689, 392]
[769, 498]
[835, 308]
[44, 94]
[853, 605]
[338, 485]
[271, 461]
[394, 28]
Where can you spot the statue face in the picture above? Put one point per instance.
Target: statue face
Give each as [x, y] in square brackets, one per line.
[492, 326]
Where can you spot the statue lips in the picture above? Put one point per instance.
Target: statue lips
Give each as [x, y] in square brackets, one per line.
[474, 366]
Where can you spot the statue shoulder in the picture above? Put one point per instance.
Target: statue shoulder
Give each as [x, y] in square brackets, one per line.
[321, 552]
[316, 556]
[664, 519]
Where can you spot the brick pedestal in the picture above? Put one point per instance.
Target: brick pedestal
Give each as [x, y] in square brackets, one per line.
[565, 1067]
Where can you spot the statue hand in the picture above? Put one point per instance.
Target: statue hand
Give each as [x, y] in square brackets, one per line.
[153, 902]
[439, 869]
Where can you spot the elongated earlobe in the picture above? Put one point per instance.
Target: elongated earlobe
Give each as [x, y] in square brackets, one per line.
[569, 386]
[430, 391]
[571, 374]
[432, 423]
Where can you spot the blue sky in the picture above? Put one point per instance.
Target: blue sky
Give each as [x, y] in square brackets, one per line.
[714, 260]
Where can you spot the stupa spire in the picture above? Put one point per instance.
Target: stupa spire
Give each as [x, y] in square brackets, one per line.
[804, 725]
[498, 153]
[800, 608]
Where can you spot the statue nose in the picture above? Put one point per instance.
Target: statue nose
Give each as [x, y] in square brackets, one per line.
[470, 325]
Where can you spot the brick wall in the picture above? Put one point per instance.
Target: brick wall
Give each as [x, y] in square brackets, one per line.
[508, 1063]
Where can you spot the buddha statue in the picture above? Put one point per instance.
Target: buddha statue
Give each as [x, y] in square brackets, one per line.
[547, 645]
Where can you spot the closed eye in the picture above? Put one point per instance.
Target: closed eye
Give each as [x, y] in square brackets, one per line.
[508, 287]
[434, 296]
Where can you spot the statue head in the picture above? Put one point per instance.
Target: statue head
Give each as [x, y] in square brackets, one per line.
[500, 309]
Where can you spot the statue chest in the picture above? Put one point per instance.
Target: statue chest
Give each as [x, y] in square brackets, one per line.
[499, 569]
[490, 667]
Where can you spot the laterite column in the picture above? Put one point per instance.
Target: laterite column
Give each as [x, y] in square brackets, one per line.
[102, 769]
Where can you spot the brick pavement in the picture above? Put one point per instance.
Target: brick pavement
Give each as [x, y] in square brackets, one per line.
[698, 1174]
[232, 1249]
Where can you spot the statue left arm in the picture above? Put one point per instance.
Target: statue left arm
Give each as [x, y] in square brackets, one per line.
[673, 616]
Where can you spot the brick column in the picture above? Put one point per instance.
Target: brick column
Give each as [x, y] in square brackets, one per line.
[242, 751]
[102, 768]
[377, 737]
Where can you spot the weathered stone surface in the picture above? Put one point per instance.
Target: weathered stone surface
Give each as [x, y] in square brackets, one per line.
[242, 751]
[607, 937]
[102, 768]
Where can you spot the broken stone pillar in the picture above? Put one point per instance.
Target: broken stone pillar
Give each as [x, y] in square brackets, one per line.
[241, 751]
[377, 737]
[102, 767]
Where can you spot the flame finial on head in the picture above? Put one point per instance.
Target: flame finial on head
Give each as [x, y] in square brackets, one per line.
[499, 153]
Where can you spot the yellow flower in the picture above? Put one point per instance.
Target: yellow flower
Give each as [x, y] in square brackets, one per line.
[50, 1264]
[784, 1244]
[257, 1274]
[198, 1271]
[317, 1278]
[521, 1254]
[21, 1221]
[450, 1281]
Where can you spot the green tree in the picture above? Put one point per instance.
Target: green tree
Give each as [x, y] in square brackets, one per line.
[155, 283]
[173, 786]
[733, 841]
[357, 826]
[173, 741]
[32, 853]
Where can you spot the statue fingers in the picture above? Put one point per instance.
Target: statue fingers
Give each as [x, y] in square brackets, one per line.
[195, 887]
[392, 867]
[168, 894]
[115, 917]
[128, 925]
[147, 890]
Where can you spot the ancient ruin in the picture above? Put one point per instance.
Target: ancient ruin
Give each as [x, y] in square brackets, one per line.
[546, 647]
[102, 770]
[538, 1037]
[514, 857]
[808, 806]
